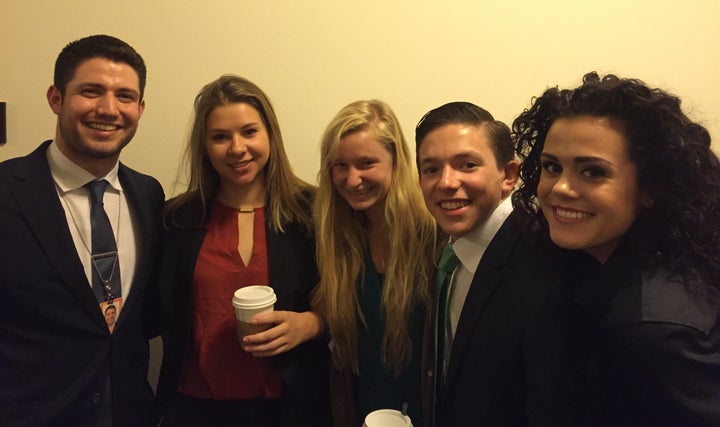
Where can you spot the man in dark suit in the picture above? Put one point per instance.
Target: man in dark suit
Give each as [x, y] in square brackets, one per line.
[61, 362]
[500, 314]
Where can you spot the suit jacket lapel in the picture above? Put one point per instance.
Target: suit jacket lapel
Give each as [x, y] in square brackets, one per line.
[141, 202]
[38, 200]
[488, 276]
[141, 226]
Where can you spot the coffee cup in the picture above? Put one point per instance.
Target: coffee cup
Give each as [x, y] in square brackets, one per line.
[387, 418]
[249, 301]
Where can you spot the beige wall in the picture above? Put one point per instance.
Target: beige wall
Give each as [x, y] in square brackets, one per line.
[312, 57]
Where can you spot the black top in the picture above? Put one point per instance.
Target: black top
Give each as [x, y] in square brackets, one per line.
[653, 346]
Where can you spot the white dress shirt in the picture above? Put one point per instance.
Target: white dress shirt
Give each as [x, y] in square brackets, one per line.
[75, 199]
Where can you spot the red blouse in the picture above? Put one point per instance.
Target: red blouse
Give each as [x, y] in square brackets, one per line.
[217, 367]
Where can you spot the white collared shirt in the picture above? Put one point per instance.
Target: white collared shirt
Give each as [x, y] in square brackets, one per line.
[75, 199]
[470, 249]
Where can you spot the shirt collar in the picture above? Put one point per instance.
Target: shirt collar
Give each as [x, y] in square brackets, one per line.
[470, 247]
[70, 176]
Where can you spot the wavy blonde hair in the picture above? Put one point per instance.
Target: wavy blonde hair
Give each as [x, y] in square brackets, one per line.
[288, 196]
[341, 242]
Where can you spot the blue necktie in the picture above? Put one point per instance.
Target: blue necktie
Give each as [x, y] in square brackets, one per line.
[106, 265]
[446, 265]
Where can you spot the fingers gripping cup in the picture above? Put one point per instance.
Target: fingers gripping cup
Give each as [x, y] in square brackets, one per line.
[248, 302]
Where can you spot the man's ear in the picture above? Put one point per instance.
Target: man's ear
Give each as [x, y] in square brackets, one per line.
[141, 108]
[54, 98]
[512, 173]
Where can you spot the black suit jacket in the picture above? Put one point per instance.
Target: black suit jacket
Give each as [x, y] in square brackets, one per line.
[56, 352]
[508, 361]
[293, 275]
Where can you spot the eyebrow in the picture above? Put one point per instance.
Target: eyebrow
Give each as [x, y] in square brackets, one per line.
[458, 156]
[243, 126]
[84, 85]
[424, 160]
[367, 157]
[359, 159]
[582, 159]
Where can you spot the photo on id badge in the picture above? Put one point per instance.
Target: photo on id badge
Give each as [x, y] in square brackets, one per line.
[111, 310]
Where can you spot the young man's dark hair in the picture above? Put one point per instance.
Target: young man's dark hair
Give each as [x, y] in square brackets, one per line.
[97, 46]
[466, 113]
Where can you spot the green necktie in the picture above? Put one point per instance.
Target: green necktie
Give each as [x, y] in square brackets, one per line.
[446, 265]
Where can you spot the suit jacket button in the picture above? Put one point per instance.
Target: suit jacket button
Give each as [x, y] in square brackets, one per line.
[96, 398]
[429, 373]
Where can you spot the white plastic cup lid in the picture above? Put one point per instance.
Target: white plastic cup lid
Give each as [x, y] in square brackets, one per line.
[387, 418]
[255, 296]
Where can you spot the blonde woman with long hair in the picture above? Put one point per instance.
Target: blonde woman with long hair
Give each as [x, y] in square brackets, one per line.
[375, 242]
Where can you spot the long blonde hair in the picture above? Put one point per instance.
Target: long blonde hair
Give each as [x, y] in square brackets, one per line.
[289, 197]
[341, 241]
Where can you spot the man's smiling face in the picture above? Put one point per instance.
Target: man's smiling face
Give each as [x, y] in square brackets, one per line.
[460, 179]
[99, 111]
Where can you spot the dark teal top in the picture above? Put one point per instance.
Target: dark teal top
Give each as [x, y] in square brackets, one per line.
[375, 387]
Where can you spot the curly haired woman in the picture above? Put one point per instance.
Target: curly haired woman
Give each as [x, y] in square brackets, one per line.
[615, 169]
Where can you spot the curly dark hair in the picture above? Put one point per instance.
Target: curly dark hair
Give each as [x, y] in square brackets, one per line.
[676, 168]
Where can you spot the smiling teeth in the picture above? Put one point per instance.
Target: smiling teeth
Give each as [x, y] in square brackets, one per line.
[100, 126]
[562, 213]
[456, 204]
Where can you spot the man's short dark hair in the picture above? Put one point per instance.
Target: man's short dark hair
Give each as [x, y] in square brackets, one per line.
[468, 114]
[97, 46]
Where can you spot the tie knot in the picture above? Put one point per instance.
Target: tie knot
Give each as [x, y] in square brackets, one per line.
[448, 260]
[97, 189]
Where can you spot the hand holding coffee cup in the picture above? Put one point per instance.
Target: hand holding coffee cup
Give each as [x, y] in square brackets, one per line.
[248, 302]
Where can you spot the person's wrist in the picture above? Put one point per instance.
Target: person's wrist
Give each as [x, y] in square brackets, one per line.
[319, 326]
